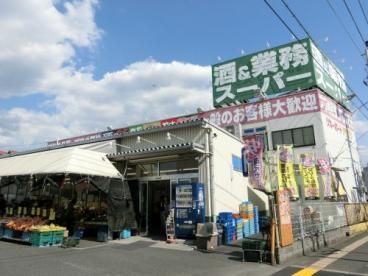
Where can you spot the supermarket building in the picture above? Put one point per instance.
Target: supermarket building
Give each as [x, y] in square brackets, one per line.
[206, 147]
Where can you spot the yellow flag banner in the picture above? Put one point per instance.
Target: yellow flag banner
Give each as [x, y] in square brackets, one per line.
[308, 172]
[285, 170]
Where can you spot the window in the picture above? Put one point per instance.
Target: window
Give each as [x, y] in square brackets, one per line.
[179, 166]
[237, 163]
[299, 137]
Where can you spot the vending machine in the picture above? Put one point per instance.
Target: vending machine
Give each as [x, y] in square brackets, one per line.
[189, 208]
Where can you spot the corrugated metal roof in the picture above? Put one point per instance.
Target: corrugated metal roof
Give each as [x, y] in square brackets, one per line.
[157, 149]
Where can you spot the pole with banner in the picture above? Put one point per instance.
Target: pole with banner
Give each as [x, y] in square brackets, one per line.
[253, 150]
[285, 170]
[309, 175]
[326, 178]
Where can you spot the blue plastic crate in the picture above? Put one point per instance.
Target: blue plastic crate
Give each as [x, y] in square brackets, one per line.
[78, 233]
[228, 241]
[26, 236]
[8, 233]
[225, 216]
[103, 235]
[125, 234]
[229, 229]
[225, 222]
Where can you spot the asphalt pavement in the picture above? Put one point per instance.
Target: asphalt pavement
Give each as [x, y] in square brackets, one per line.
[350, 257]
[144, 256]
[127, 257]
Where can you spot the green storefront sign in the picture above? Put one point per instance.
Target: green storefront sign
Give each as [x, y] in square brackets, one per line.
[136, 128]
[285, 68]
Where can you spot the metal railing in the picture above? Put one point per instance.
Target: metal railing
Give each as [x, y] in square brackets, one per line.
[315, 218]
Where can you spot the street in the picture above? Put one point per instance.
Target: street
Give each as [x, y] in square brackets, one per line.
[143, 256]
[350, 257]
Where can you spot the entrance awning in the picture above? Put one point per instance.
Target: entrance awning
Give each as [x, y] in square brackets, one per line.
[157, 151]
[67, 160]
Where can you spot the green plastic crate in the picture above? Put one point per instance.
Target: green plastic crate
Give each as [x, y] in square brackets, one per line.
[57, 237]
[253, 244]
[41, 239]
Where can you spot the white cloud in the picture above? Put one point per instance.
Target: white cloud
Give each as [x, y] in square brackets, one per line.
[37, 40]
[146, 90]
[37, 50]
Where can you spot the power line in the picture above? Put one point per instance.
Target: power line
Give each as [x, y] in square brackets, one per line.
[293, 33]
[306, 31]
[361, 7]
[297, 20]
[344, 27]
[352, 18]
[361, 135]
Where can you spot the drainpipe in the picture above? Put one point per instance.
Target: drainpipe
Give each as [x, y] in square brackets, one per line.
[212, 184]
[208, 172]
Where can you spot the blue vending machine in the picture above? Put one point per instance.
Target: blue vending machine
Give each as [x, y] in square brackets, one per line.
[189, 208]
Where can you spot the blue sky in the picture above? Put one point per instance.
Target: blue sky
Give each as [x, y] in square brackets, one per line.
[72, 67]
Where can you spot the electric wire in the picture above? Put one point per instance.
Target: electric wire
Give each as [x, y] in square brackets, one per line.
[306, 31]
[344, 27]
[362, 135]
[353, 19]
[293, 33]
[361, 7]
[309, 52]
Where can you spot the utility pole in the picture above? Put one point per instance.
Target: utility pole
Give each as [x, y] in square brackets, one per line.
[355, 172]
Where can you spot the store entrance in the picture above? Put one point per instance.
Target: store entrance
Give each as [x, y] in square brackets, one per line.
[158, 206]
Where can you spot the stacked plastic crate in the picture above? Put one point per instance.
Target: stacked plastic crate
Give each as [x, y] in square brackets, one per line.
[250, 215]
[239, 228]
[225, 218]
[234, 228]
[256, 219]
[246, 232]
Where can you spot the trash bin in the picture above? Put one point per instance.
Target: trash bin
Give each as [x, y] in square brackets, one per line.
[207, 236]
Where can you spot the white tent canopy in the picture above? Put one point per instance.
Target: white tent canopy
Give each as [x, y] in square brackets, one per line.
[66, 160]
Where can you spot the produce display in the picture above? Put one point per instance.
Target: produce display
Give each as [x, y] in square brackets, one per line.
[47, 228]
[23, 224]
[26, 224]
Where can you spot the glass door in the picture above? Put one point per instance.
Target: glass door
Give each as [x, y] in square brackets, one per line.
[143, 208]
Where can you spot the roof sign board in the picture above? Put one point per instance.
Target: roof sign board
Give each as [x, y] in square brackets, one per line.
[328, 77]
[285, 68]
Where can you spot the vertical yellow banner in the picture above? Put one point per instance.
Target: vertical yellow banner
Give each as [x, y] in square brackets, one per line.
[285, 170]
[309, 175]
